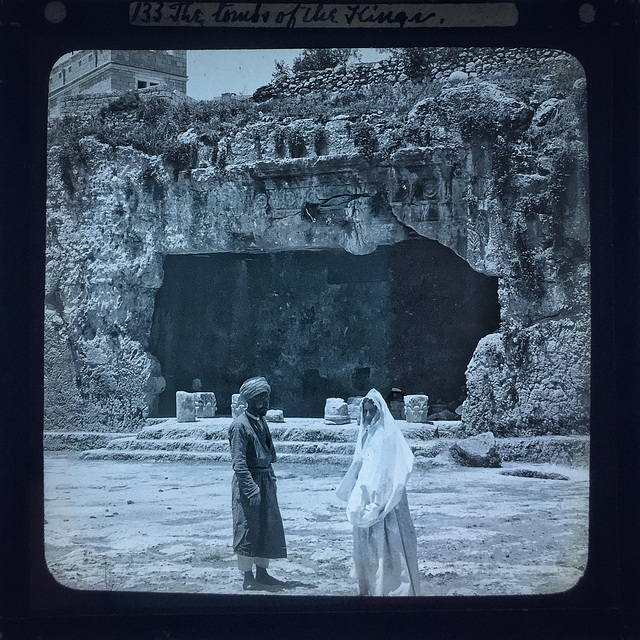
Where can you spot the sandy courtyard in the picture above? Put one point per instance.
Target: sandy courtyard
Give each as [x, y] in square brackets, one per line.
[166, 526]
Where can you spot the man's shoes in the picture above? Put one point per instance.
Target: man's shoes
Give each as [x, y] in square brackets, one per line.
[249, 583]
[263, 578]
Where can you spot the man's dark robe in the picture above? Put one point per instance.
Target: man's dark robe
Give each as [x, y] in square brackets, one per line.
[257, 531]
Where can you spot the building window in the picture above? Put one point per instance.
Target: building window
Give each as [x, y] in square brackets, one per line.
[143, 84]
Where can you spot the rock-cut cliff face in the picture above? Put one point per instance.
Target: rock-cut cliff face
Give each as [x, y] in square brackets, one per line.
[493, 167]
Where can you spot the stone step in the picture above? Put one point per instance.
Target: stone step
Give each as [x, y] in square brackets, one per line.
[200, 456]
[282, 447]
[569, 451]
[168, 444]
[564, 450]
[155, 455]
[184, 444]
[301, 440]
[79, 440]
[298, 429]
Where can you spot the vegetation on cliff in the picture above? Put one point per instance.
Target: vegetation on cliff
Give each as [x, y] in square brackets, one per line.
[381, 113]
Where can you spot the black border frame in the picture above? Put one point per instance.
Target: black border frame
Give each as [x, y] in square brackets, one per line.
[602, 605]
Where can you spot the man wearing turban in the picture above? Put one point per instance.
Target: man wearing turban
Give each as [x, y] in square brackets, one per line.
[258, 534]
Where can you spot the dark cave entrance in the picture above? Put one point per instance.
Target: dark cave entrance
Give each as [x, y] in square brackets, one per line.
[321, 324]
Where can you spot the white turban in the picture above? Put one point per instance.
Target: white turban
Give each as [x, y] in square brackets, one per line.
[253, 387]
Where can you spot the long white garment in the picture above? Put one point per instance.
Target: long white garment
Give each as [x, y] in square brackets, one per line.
[385, 546]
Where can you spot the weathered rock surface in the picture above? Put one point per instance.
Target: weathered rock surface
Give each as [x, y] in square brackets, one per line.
[495, 170]
[78, 440]
[477, 451]
[62, 397]
[547, 365]
[564, 450]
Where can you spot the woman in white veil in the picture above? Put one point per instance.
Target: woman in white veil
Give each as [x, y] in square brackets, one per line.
[384, 539]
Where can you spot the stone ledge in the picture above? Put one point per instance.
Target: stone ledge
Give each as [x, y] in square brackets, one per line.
[79, 440]
[566, 451]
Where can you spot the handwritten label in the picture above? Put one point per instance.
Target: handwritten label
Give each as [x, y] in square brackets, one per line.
[338, 16]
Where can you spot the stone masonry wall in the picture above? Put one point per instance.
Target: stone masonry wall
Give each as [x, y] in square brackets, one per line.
[439, 65]
[100, 71]
[88, 105]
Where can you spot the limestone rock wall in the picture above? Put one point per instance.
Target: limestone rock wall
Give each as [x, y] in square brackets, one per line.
[496, 172]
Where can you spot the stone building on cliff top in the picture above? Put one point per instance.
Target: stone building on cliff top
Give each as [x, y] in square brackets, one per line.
[103, 71]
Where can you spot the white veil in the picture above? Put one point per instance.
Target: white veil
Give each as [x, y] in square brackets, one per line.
[381, 465]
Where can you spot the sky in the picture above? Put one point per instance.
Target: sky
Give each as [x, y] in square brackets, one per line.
[241, 71]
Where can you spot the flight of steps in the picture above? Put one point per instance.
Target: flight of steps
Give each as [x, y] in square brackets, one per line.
[297, 440]
[311, 441]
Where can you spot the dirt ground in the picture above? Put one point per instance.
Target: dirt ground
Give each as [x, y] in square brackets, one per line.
[166, 526]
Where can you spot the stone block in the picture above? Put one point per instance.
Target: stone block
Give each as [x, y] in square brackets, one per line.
[275, 415]
[336, 411]
[237, 407]
[206, 404]
[185, 406]
[353, 405]
[477, 451]
[416, 408]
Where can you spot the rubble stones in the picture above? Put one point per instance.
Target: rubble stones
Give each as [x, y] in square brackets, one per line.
[545, 111]
[442, 64]
[532, 473]
[458, 76]
[416, 408]
[336, 411]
